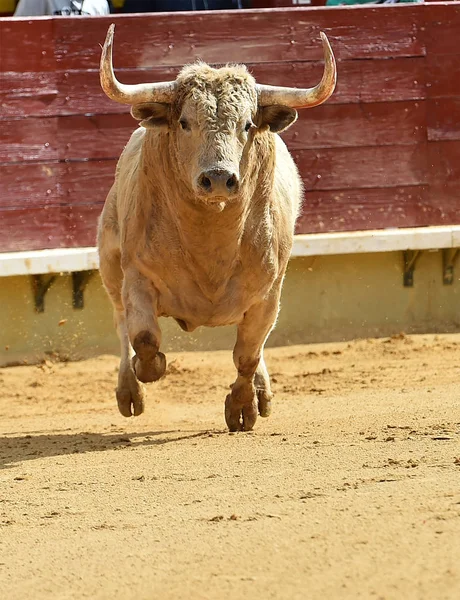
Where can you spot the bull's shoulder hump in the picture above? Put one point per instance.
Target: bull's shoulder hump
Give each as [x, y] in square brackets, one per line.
[280, 145]
[134, 143]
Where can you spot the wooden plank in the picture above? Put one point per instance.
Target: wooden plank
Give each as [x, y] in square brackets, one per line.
[49, 227]
[372, 167]
[434, 163]
[441, 78]
[381, 124]
[29, 184]
[39, 184]
[220, 36]
[28, 140]
[444, 164]
[87, 182]
[28, 94]
[233, 36]
[104, 136]
[67, 138]
[445, 196]
[35, 185]
[82, 93]
[357, 209]
[324, 210]
[79, 92]
[27, 45]
[443, 119]
[94, 136]
[441, 28]
[361, 81]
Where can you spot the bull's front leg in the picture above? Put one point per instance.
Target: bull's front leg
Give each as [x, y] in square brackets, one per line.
[251, 391]
[140, 304]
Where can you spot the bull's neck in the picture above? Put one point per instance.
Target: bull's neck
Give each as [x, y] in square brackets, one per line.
[210, 239]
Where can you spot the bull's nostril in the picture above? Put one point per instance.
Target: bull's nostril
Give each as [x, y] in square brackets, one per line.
[231, 182]
[205, 182]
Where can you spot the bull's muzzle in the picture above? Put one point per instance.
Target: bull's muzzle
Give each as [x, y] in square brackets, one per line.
[218, 183]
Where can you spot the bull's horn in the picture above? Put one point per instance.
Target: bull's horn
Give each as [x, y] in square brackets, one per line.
[303, 98]
[130, 94]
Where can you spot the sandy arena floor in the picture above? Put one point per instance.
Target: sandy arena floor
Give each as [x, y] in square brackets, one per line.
[350, 490]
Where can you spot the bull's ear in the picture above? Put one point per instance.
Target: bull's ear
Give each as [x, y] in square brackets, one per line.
[277, 118]
[151, 114]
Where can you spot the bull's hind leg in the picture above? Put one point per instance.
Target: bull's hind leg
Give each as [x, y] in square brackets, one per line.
[139, 300]
[251, 391]
[263, 389]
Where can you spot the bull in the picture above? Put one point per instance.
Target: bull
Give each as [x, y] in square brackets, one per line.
[199, 222]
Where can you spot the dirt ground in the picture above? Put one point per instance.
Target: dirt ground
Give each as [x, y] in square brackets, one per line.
[351, 489]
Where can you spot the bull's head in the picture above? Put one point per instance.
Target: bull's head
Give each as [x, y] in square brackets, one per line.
[212, 116]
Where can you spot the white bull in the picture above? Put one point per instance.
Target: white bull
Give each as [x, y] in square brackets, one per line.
[199, 222]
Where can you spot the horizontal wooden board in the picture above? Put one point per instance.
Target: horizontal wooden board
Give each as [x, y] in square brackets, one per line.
[443, 119]
[34, 222]
[441, 28]
[49, 227]
[357, 209]
[443, 160]
[446, 197]
[248, 36]
[28, 94]
[441, 78]
[31, 185]
[79, 92]
[95, 136]
[377, 80]
[104, 136]
[28, 140]
[87, 182]
[218, 36]
[358, 125]
[435, 163]
[372, 167]
[65, 138]
[27, 44]
[345, 210]
[331, 168]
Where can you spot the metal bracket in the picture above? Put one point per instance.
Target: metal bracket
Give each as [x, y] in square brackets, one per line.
[449, 257]
[80, 280]
[40, 285]
[410, 258]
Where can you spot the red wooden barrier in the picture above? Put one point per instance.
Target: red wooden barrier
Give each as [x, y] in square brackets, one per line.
[383, 152]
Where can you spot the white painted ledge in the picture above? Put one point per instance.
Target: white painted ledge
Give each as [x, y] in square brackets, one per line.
[378, 240]
[58, 260]
[65, 260]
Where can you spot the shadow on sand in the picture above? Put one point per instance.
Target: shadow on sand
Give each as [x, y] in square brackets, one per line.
[32, 446]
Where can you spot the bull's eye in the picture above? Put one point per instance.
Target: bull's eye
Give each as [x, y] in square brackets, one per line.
[248, 126]
[183, 123]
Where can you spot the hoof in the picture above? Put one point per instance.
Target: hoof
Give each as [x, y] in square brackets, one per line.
[232, 415]
[239, 418]
[265, 403]
[130, 397]
[152, 370]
